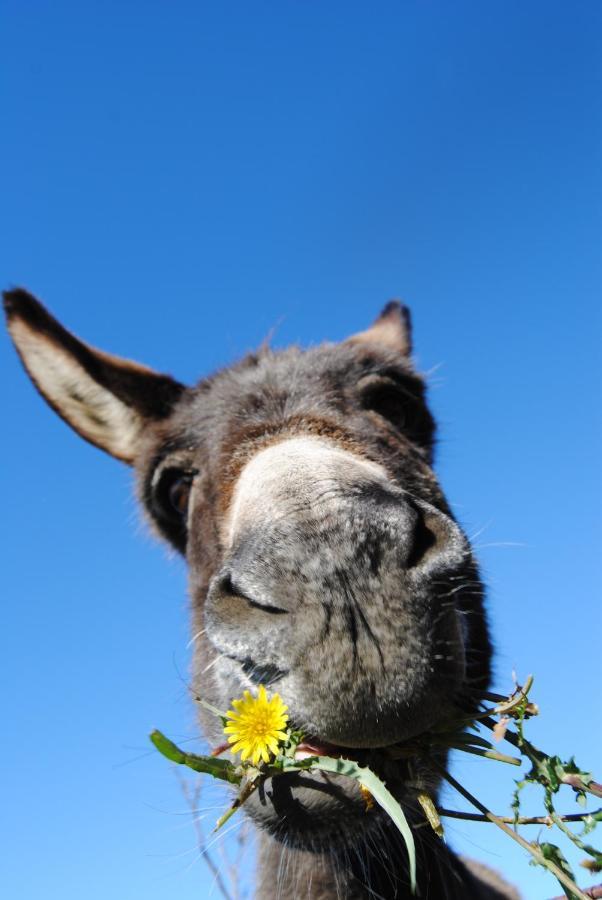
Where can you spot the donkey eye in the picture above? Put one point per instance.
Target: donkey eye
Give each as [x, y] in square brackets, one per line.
[172, 494]
[178, 494]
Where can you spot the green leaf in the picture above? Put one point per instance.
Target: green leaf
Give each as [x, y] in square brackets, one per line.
[210, 765]
[571, 768]
[555, 854]
[380, 793]
[591, 820]
[551, 770]
[246, 791]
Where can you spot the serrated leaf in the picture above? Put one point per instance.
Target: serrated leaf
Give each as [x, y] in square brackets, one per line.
[591, 820]
[555, 854]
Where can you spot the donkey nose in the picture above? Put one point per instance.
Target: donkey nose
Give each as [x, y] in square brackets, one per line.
[233, 594]
[245, 623]
[438, 544]
[426, 538]
[422, 540]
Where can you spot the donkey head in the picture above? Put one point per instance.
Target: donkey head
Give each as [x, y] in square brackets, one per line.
[324, 560]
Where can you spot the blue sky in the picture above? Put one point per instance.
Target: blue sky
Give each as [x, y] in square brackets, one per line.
[180, 178]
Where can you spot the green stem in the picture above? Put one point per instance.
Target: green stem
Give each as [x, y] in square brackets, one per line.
[510, 820]
[532, 849]
[245, 793]
[587, 848]
[537, 757]
[490, 754]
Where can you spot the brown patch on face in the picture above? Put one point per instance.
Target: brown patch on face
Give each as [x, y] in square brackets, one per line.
[242, 444]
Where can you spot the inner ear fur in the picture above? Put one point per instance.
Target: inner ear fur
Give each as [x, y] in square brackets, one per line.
[106, 399]
[392, 329]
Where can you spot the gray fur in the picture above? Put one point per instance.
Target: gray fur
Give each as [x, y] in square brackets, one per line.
[346, 584]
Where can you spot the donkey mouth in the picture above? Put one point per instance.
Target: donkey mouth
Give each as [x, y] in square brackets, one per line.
[260, 673]
[374, 756]
[319, 811]
[309, 748]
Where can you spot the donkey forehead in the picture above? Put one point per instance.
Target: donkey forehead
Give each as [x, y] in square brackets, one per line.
[312, 377]
[299, 470]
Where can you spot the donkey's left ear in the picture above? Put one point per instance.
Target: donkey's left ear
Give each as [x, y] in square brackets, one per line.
[108, 400]
[392, 329]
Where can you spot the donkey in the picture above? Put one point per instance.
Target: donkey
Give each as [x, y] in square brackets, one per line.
[325, 563]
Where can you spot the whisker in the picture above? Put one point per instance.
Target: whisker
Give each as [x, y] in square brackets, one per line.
[195, 638]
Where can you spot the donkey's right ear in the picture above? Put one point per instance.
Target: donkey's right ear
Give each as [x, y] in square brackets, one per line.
[106, 399]
[392, 329]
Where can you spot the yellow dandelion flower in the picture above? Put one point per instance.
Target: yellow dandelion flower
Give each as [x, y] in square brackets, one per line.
[256, 726]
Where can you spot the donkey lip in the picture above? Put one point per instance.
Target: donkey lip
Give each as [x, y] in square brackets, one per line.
[317, 748]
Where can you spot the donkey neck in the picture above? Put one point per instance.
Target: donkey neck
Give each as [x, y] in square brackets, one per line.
[376, 873]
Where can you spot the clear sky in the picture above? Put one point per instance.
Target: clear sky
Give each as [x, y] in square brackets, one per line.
[178, 179]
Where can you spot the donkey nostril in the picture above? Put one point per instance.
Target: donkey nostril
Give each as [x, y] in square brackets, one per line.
[229, 588]
[423, 540]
